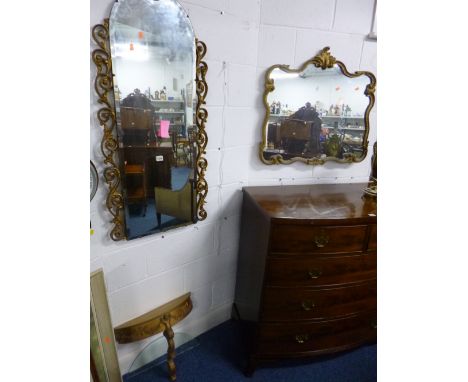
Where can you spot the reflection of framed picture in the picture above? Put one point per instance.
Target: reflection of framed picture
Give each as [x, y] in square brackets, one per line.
[104, 362]
[94, 180]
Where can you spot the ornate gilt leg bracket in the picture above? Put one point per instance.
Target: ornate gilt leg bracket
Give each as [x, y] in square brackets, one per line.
[169, 334]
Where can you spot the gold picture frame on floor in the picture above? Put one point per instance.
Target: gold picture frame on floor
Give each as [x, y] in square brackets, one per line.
[104, 361]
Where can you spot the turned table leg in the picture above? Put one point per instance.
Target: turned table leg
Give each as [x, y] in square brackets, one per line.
[169, 334]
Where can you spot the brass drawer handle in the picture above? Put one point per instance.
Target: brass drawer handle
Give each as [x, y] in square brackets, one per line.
[301, 338]
[307, 305]
[315, 273]
[321, 240]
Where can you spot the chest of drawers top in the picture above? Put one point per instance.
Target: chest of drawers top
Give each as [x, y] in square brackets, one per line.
[315, 204]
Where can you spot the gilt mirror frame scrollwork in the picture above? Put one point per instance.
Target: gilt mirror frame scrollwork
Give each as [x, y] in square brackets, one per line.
[323, 60]
[106, 116]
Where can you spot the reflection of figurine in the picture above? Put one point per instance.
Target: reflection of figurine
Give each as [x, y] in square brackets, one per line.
[347, 110]
[274, 108]
[278, 107]
[330, 111]
[162, 94]
[156, 95]
[337, 110]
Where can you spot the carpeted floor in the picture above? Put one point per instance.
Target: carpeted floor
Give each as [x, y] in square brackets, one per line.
[220, 356]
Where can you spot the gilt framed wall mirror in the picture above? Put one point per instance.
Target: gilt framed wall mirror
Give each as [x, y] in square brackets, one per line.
[316, 113]
[151, 85]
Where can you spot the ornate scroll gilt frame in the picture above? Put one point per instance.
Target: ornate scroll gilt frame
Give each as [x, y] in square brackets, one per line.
[322, 60]
[104, 88]
[202, 137]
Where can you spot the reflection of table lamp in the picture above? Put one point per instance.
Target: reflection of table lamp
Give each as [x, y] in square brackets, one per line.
[164, 129]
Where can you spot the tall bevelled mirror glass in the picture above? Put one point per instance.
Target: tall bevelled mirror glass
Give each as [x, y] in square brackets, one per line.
[316, 113]
[157, 97]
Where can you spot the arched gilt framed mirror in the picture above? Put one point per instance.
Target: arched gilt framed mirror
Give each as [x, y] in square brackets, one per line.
[151, 84]
[316, 113]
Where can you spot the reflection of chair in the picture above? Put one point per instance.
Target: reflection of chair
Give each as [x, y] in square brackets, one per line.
[135, 179]
[179, 204]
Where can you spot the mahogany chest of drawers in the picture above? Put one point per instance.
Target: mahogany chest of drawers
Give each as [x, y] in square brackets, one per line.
[307, 270]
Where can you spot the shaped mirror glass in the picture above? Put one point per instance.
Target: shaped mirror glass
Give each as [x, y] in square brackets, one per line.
[316, 113]
[153, 61]
[156, 129]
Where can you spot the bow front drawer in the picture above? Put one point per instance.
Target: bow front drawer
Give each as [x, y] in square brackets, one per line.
[317, 239]
[321, 271]
[289, 304]
[320, 337]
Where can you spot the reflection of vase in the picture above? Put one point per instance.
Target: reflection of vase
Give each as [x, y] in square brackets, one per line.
[333, 146]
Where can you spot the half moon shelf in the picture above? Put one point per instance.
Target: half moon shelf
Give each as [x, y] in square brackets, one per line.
[155, 321]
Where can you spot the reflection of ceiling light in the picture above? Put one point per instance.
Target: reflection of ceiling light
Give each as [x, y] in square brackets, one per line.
[283, 75]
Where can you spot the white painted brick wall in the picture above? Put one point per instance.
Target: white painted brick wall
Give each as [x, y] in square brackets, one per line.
[243, 37]
[316, 14]
[353, 16]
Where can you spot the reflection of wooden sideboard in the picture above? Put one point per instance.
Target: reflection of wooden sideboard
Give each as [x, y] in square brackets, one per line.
[307, 272]
[295, 129]
[296, 137]
[157, 172]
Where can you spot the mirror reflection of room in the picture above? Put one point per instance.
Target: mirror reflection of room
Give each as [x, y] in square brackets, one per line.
[154, 72]
[316, 114]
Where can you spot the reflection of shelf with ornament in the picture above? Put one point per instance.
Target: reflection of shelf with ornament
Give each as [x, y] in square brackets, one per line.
[167, 100]
[172, 124]
[168, 112]
[342, 116]
[280, 115]
[351, 128]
